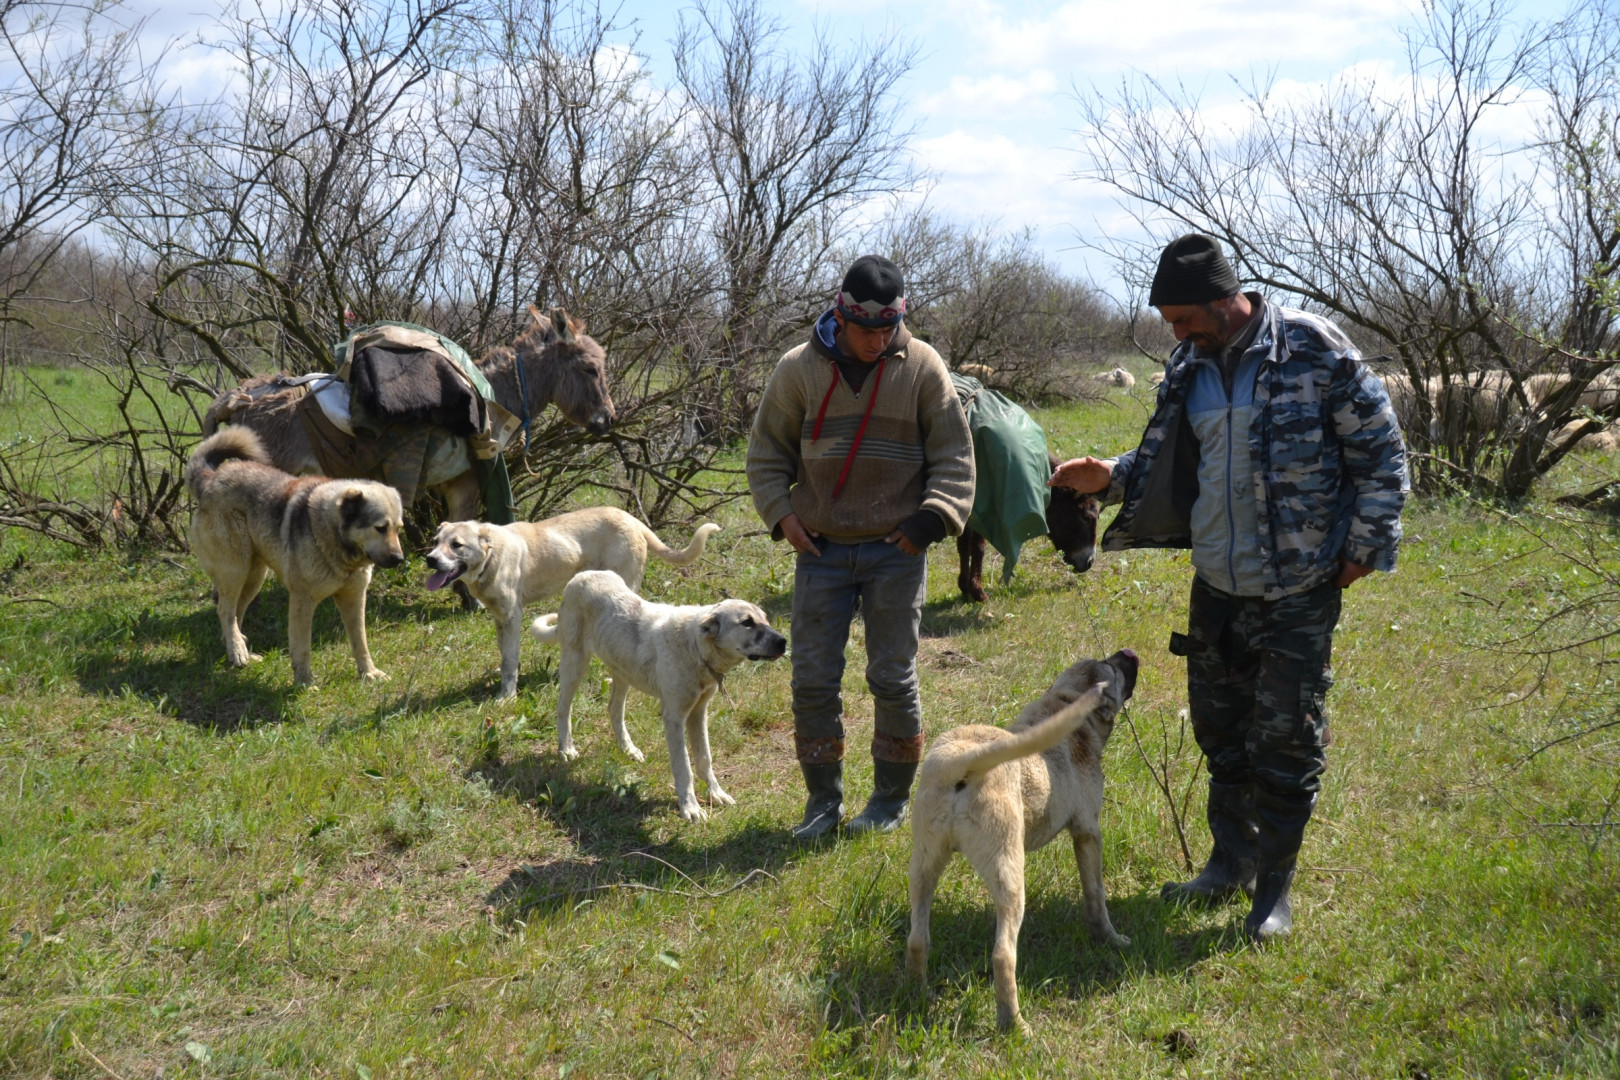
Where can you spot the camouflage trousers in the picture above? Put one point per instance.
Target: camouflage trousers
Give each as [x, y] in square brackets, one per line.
[1258, 673]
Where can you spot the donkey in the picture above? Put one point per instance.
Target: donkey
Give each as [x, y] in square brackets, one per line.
[552, 362]
[1071, 523]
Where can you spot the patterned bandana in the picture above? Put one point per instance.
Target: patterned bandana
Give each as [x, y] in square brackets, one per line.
[871, 313]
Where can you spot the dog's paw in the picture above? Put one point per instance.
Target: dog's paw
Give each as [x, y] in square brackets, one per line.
[694, 812]
[374, 676]
[718, 796]
[633, 752]
[569, 752]
[253, 658]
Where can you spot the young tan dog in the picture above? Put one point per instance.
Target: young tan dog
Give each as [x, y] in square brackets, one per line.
[320, 536]
[994, 793]
[507, 566]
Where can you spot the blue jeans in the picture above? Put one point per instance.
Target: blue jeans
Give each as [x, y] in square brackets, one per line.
[887, 586]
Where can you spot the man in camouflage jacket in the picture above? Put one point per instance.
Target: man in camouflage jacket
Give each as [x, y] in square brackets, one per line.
[1273, 453]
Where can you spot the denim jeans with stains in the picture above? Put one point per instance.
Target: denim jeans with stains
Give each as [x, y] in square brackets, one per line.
[887, 587]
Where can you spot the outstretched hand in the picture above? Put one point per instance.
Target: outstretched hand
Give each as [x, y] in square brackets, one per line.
[1087, 475]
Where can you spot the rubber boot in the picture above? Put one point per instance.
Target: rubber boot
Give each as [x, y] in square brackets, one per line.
[825, 807]
[891, 795]
[1282, 828]
[1230, 869]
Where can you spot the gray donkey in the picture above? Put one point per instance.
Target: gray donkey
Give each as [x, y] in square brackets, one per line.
[552, 362]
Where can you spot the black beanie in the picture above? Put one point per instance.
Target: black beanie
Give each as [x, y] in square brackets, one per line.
[873, 292]
[1192, 270]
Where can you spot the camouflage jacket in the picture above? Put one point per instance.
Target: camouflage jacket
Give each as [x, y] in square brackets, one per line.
[1330, 468]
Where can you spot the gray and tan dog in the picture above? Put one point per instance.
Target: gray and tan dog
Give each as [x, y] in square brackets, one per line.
[994, 793]
[676, 654]
[507, 566]
[320, 536]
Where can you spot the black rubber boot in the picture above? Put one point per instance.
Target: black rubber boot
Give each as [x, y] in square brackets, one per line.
[1282, 828]
[891, 795]
[1230, 869]
[825, 807]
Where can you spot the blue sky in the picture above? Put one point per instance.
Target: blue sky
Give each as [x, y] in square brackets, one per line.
[992, 93]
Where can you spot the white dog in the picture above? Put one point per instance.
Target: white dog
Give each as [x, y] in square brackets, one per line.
[1117, 377]
[507, 566]
[994, 793]
[676, 654]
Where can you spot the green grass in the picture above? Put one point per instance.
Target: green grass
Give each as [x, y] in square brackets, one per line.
[214, 873]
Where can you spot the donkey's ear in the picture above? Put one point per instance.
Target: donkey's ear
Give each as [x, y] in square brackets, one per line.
[563, 325]
[544, 323]
[576, 327]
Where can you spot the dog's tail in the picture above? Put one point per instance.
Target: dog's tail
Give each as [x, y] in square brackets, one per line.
[693, 550]
[970, 764]
[544, 629]
[228, 444]
[220, 409]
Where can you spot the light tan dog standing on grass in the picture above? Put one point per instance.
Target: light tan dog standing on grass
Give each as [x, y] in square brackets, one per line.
[994, 793]
[676, 654]
[320, 536]
[508, 566]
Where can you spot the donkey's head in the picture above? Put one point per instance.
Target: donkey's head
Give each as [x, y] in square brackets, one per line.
[576, 367]
[1071, 522]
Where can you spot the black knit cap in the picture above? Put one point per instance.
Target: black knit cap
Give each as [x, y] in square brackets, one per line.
[1192, 270]
[873, 292]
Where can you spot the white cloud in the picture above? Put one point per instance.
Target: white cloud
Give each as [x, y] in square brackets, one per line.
[1035, 93]
[1183, 36]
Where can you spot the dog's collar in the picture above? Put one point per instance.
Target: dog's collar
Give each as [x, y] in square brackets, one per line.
[719, 676]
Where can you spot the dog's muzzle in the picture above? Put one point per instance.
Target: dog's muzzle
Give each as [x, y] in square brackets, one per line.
[1126, 663]
[444, 571]
[774, 649]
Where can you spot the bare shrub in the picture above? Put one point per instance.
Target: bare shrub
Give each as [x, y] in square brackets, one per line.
[1400, 212]
[70, 104]
[987, 299]
[452, 162]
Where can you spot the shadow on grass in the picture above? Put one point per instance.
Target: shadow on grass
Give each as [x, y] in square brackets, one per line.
[861, 976]
[607, 817]
[174, 660]
[947, 618]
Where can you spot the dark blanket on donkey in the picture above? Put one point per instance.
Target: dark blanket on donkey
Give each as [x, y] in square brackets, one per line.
[1011, 470]
[411, 386]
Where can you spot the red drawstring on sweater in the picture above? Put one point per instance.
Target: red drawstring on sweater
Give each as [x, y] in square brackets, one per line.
[860, 432]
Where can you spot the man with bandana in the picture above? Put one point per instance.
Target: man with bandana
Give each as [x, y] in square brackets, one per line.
[860, 458]
[1274, 455]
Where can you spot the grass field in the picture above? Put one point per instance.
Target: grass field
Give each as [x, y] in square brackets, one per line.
[214, 873]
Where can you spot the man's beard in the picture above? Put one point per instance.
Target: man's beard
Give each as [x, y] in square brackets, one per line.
[1210, 342]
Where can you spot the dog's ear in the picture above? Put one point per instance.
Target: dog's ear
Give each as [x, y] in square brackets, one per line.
[351, 506]
[709, 625]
